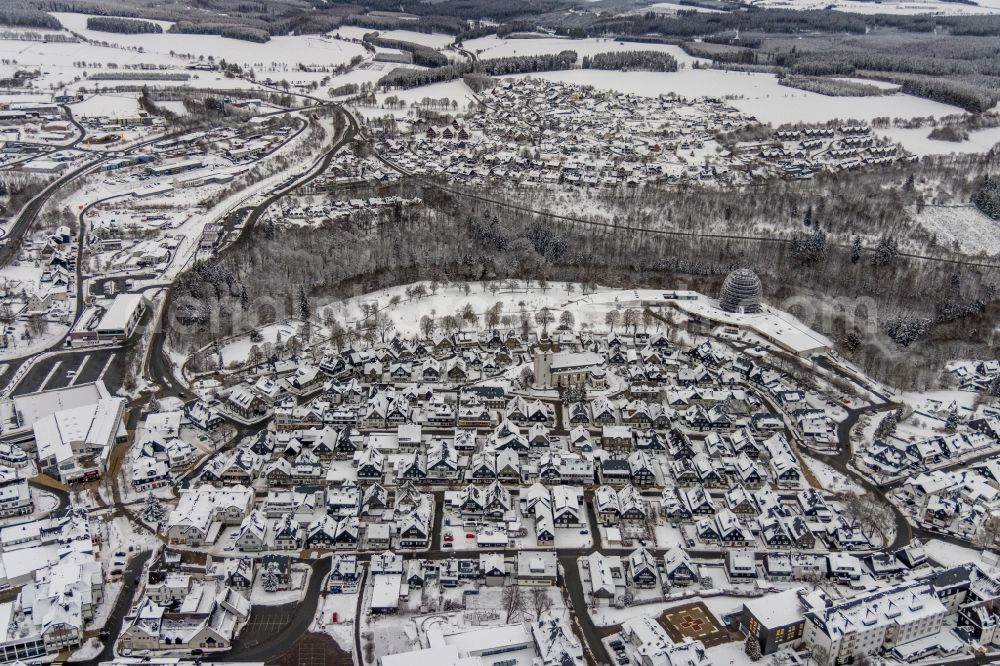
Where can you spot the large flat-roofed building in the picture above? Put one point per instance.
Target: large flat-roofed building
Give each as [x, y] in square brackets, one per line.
[115, 324]
[173, 168]
[121, 318]
[75, 444]
[774, 620]
[19, 414]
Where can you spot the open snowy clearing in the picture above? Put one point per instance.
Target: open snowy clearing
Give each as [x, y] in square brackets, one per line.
[351, 32]
[366, 72]
[964, 227]
[917, 141]
[453, 90]
[756, 94]
[117, 105]
[433, 40]
[495, 47]
[285, 50]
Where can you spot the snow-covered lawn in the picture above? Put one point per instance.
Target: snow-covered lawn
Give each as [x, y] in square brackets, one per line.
[588, 310]
[831, 479]
[90, 649]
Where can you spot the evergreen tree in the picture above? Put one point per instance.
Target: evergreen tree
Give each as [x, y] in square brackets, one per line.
[951, 423]
[856, 249]
[752, 648]
[304, 310]
[269, 578]
[887, 426]
[810, 249]
[152, 511]
[885, 251]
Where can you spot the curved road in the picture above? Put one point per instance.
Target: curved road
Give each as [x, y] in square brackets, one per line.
[160, 368]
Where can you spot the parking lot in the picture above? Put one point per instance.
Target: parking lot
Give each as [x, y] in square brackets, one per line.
[265, 622]
[72, 368]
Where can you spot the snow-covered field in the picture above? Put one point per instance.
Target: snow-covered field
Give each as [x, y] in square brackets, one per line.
[756, 94]
[107, 105]
[453, 90]
[286, 50]
[916, 141]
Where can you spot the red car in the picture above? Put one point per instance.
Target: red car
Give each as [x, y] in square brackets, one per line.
[448, 537]
[470, 536]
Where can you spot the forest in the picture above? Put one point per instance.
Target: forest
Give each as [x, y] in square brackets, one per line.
[125, 26]
[652, 61]
[987, 197]
[231, 30]
[831, 87]
[403, 77]
[27, 17]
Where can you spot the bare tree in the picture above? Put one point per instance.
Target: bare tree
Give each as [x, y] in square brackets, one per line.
[512, 602]
[468, 315]
[540, 601]
[37, 325]
[493, 315]
[631, 318]
[383, 323]
[611, 319]
[427, 326]
[988, 533]
[543, 318]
